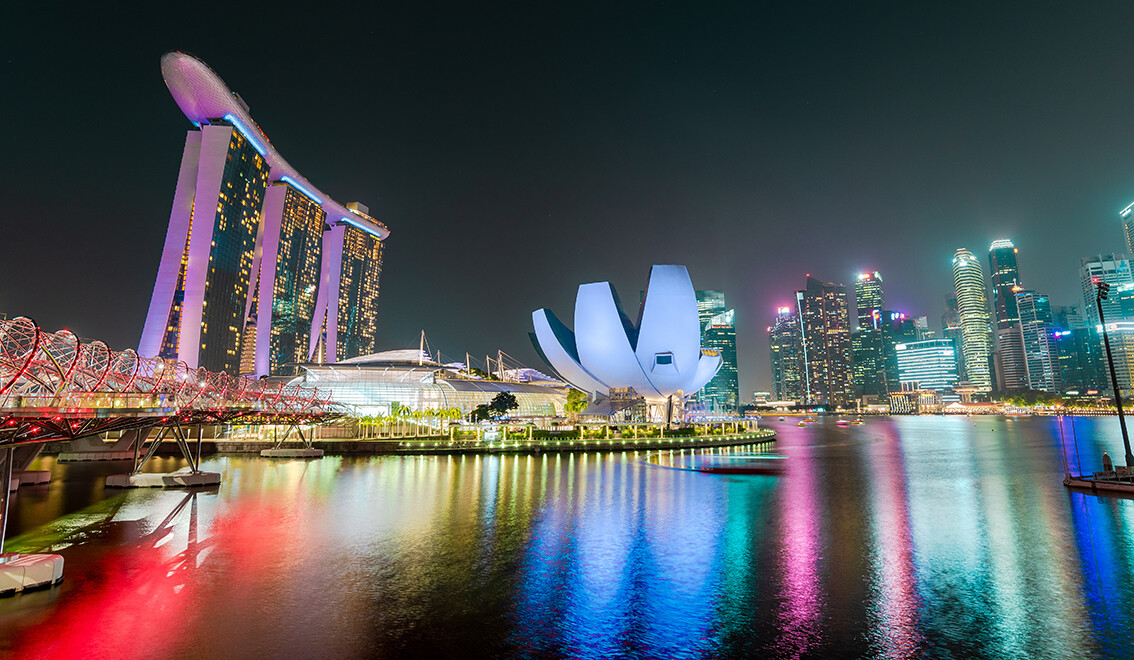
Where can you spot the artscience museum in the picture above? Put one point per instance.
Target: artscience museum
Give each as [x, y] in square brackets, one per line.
[658, 358]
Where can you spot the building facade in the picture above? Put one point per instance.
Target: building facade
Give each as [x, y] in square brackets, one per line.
[722, 393]
[972, 305]
[1113, 269]
[1040, 352]
[1010, 366]
[786, 349]
[1127, 217]
[238, 288]
[928, 365]
[826, 337]
[869, 300]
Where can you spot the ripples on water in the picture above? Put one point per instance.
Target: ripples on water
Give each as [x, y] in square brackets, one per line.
[906, 537]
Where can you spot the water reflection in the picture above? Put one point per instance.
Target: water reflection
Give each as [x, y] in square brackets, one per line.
[915, 537]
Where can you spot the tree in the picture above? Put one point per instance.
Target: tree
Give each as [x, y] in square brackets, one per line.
[576, 401]
[502, 403]
[481, 412]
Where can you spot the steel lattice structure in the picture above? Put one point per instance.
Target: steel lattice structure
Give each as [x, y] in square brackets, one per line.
[55, 387]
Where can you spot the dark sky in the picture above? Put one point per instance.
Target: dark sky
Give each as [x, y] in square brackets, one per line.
[518, 152]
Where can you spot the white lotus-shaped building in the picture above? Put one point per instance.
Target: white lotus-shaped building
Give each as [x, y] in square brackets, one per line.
[659, 357]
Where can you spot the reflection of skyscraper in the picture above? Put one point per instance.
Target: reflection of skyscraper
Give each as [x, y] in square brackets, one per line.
[825, 326]
[786, 349]
[722, 393]
[972, 304]
[237, 288]
[1011, 368]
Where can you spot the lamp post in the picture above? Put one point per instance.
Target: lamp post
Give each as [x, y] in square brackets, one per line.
[1103, 289]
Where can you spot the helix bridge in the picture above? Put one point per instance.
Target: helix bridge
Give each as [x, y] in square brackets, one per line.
[55, 387]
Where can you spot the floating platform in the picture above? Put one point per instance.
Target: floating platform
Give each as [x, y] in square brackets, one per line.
[1106, 481]
[26, 572]
[182, 478]
[105, 455]
[32, 477]
[292, 453]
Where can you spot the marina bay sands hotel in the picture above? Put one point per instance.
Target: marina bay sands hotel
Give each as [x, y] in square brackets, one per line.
[260, 270]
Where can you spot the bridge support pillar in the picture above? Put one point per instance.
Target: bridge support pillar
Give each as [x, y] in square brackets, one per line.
[185, 477]
[307, 451]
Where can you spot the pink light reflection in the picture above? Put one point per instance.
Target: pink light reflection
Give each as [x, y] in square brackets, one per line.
[802, 597]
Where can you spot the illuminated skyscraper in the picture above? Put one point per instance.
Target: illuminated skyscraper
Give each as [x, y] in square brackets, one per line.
[825, 328]
[349, 319]
[1011, 368]
[928, 365]
[722, 393]
[786, 348]
[709, 304]
[1127, 215]
[1114, 269]
[237, 287]
[869, 343]
[972, 305]
[1037, 331]
[869, 300]
[951, 329]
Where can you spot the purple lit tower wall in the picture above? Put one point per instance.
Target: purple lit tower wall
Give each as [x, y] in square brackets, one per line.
[274, 273]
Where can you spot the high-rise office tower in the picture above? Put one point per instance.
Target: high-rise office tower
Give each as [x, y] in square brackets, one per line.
[869, 342]
[1010, 369]
[825, 326]
[869, 300]
[930, 364]
[1127, 216]
[1005, 276]
[1114, 269]
[718, 331]
[869, 363]
[786, 348]
[972, 304]
[1037, 330]
[237, 286]
[709, 304]
[722, 392]
[1082, 364]
[951, 329]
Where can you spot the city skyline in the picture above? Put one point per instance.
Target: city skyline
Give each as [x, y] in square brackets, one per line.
[660, 127]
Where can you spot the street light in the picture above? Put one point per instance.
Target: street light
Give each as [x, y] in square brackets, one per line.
[1104, 289]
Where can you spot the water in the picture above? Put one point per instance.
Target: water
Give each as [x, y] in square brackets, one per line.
[906, 537]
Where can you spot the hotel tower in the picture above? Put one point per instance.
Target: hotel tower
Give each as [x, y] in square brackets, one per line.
[260, 269]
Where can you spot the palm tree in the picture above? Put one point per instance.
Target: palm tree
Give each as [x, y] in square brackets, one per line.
[416, 415]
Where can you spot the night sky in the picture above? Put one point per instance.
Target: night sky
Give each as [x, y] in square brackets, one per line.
[518, 152]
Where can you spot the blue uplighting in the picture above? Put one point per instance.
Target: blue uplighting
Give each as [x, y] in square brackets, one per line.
[292, 182]
[248, 135]
[364, 228]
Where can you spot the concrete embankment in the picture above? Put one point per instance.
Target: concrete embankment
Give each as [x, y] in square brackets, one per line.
[442, 445]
